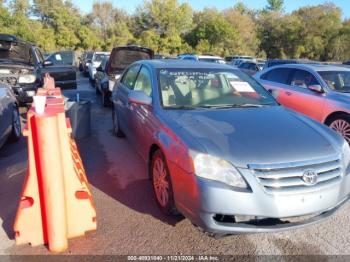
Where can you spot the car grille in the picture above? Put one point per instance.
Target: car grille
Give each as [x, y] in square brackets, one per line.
[9, 80]
[288, 178]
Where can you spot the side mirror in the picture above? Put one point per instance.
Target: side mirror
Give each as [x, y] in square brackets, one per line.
[140, 98]
[316, 88]
[274, 93]
[47, 63]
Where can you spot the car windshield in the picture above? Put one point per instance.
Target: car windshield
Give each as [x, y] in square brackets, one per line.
[337, 80]
[98, 57]
[206, 88]
[89, 55]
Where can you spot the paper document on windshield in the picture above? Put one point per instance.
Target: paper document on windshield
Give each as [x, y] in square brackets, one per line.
[242, 86]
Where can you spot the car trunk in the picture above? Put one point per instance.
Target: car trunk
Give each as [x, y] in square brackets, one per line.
[122, 57]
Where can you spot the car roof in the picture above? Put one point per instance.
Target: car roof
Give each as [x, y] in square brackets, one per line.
[315, 67]
[241, 56]
[209, 57]
[248, 61]
[200, 56]
[177, 63]
[103, 53]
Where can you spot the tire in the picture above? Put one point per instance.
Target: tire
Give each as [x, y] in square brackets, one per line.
[161, 184]
[105, 101]
[16, 125]
[341, 124]
[116, 128]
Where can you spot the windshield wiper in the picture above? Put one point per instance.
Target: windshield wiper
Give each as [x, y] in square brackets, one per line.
[234, 106]
[181, 107]
[217, 106]
[254, 105]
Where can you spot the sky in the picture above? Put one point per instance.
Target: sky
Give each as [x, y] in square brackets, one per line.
[290, 5]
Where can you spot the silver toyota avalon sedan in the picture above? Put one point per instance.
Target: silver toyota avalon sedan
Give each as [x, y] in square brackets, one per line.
[222, 152]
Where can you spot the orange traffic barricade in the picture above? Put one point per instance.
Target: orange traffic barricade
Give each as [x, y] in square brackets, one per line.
[56, 203]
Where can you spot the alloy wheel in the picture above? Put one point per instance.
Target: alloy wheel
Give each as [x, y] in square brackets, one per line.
[160, 182]
[342, 127]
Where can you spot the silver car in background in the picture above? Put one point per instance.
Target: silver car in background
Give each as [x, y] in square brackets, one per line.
[321, 92]
[96, 60]
[222, 152]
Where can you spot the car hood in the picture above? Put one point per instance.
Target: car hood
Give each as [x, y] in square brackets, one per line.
[268, 135]
[13, 51]
[122, 57]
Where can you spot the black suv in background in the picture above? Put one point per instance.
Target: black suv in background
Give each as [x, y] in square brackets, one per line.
[22, 67]
[120, 58]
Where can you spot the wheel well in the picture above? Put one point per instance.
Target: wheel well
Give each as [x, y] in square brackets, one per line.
[153, 149]
[334, 115]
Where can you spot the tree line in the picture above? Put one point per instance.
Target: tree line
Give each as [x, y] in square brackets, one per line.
[170, 27]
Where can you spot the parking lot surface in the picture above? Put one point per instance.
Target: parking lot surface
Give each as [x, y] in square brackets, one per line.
[129, 222]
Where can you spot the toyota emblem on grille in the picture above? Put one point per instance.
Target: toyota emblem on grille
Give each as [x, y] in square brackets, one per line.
[310, 177]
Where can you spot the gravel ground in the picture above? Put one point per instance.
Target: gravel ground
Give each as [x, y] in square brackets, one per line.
[129, 222]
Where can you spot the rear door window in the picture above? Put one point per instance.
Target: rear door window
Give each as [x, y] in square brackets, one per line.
[251, 66]
[244, 66]
[129, 77]
[303, 79]
[278, 75]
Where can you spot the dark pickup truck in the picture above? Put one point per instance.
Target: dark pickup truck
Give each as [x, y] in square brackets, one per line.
[22, 67]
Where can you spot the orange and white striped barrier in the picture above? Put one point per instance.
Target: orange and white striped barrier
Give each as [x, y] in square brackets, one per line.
[56, 203]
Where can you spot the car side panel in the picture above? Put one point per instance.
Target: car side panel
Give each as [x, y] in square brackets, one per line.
[308, 102]
[333, 105]
[6, 107]
[284, 92]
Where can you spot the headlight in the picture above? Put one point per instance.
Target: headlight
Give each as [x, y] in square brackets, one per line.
[26, 79]
[213, 168]
[111, 85]
[117, 77]
[30, 93]
[346, 158]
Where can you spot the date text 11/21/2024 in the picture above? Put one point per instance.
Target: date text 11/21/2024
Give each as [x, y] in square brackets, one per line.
[173, 258]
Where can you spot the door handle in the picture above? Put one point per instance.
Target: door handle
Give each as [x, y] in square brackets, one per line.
[288, 93]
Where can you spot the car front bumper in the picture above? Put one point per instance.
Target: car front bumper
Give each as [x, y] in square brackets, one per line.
[264, 212]
[25, 93]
